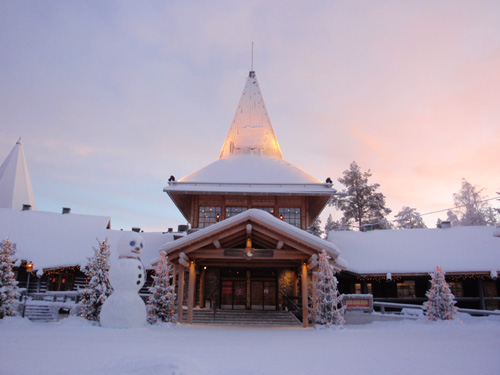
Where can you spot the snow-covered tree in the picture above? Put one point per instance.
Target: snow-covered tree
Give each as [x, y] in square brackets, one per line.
[329, 225]
[315, 228]
[9, 292]
[409, 218]
[452, 218]
[98, 287]
[161, 301]
[361, 203]
[327, 307]
[441, 301]
[471, 207]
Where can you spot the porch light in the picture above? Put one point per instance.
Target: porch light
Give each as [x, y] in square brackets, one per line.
[281, 217]
[217, 217]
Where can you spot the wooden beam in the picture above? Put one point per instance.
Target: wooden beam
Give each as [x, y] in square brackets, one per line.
[305, 310]
[180, 294]
[191, 290]
[202, 288]
[202, 242]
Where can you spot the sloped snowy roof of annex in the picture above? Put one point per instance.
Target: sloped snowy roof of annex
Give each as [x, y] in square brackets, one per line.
[455, 250]
[54, 240]
[267, 219]
[251, 173]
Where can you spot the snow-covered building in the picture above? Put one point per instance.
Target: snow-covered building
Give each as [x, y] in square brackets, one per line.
[394, 265]
[248, 247]
[249, 211]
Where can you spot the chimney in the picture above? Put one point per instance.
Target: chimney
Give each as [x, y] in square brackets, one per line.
[170, 230]
[26, 207]
[66, 210]
[445, 224]
[135, 229]
[182, 228]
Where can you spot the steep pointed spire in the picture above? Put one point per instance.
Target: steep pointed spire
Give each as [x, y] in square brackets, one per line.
[251, 131]
[15, 182]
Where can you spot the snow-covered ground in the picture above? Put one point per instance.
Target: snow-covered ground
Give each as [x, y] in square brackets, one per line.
[73, 346]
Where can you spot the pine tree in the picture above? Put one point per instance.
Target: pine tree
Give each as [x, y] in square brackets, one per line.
[471, 208]
[441, 301]
[161, 301]
[329, 225]
[361, 202]
[327, 307]
[9, 292]
[315, 228]
[98, 287]
[409, 218]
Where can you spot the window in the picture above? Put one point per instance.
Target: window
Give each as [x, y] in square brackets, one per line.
[208, 216]
[61, 282]
[359, 290]
[290, 215]
[457, 289]
[233, 211]
[406, 289]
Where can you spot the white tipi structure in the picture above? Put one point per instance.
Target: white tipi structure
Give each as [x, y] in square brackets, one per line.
[15, 182]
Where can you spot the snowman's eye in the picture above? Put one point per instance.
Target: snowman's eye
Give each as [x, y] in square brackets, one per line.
[141, 245]
[132, 243]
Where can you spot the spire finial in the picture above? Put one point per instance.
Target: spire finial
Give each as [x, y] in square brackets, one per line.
[252, 56]
[18, 141]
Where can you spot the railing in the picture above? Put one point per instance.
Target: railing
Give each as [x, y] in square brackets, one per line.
[53, 296]
[294, 305]
[384, 305]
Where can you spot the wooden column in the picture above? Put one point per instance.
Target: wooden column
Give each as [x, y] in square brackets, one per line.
[180, 293]
[480, 290]
[249, 290]
[305, 310]
[191, 289]
[174, 269]
[202, 288]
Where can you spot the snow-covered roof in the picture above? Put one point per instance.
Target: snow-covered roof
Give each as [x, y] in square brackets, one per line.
[457, 249]
[269, 221]
[251, 131]
[52, 240]
[15, 182]
[250, 173]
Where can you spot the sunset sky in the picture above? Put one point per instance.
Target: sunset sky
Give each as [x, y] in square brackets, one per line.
[111, 98]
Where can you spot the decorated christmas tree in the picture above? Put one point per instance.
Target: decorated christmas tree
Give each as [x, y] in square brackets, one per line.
[9, 292]
[441, 303]
[161, 301]
[98, 287]
[327, 307]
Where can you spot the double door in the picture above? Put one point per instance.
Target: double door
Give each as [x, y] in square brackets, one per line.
[248, 294]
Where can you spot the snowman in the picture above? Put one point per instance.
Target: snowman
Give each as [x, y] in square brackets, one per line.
[124, 308]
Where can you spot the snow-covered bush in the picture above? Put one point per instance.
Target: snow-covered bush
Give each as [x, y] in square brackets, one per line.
[161, 301]
[327, 307]
[98, 288]
[441, 303]
[9, 292]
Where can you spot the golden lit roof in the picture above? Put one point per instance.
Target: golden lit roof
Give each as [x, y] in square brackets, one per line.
[251, 131]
